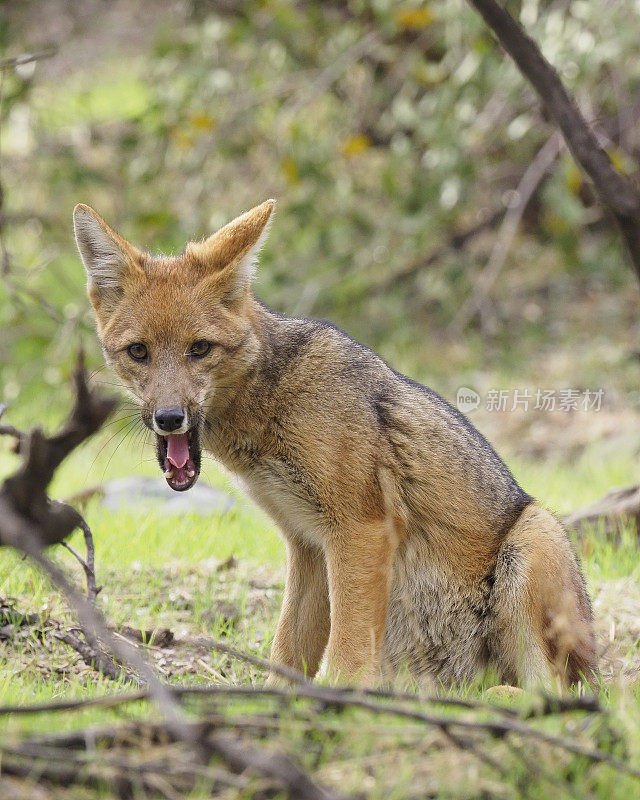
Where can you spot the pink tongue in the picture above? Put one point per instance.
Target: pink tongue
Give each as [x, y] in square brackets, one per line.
[178, 449]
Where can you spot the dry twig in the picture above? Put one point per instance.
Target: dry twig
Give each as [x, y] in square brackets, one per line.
[27, 58]
[525, 190]
[89, 565]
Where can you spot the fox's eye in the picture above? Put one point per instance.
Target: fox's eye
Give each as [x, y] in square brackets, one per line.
[200, 348]
[137, 351]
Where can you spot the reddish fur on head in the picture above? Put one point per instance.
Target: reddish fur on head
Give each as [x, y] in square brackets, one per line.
[168, 304]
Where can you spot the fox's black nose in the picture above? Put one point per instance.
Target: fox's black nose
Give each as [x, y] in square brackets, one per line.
[169, 419]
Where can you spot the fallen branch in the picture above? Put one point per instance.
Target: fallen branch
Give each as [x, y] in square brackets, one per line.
[89, 565]
[240, 757]
[618, 508]
[94, 657]
[375, 702]
[23, 760]
[469, 734]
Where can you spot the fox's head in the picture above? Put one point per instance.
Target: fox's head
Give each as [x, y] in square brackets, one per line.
[177, 330]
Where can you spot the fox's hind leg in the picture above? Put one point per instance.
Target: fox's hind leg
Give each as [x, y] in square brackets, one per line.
[542, 628]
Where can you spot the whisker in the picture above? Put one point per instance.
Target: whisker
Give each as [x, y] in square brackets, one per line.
[118, 385]
[140, 438]
[119, 419]
[93, 374]
[127, 427]
[132, 430]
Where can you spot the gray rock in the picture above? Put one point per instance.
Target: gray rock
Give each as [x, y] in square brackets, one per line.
[141, 492]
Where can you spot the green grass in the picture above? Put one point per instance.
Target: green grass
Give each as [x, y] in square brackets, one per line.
[160, 570]
[146, 541]
[146, 562]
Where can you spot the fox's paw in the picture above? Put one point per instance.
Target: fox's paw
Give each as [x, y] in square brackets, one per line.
[502, 693]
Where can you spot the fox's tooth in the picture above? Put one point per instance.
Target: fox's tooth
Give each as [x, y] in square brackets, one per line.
[168, 473]
[191, 473]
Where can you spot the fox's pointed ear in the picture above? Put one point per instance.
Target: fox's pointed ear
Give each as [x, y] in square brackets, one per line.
[229, 256]
[110, 261]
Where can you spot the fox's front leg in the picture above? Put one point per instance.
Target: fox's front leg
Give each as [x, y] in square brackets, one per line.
[303, 627]
[359, 566]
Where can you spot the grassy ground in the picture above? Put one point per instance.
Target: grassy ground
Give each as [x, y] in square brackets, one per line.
[553, 327]
[221, 577]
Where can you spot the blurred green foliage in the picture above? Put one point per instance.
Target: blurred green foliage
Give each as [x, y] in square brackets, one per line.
[383, 127]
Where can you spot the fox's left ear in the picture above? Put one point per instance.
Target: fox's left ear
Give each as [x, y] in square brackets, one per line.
[229, 256]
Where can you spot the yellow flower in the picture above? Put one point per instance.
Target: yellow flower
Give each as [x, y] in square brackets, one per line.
[290, 170]
[356, 144]
[413, 19]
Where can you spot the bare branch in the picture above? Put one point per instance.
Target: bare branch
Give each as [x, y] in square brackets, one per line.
[240, 757]
[9, 430]
[94, 657]
[615, 191]
[27, 58]
[89, 565]
[23, 499]
[455, 242]
[525, 190]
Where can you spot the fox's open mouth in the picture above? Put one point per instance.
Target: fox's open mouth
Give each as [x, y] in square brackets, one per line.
[179, 458]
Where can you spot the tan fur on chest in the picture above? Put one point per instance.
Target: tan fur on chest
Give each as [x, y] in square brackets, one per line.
[288, 501]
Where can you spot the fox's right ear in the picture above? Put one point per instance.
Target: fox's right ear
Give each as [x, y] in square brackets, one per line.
[110, 261]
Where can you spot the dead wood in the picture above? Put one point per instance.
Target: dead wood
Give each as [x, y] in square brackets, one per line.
[610, 514]
[24, 503]
[94, 657]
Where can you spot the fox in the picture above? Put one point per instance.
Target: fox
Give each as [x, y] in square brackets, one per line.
[410, 547]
